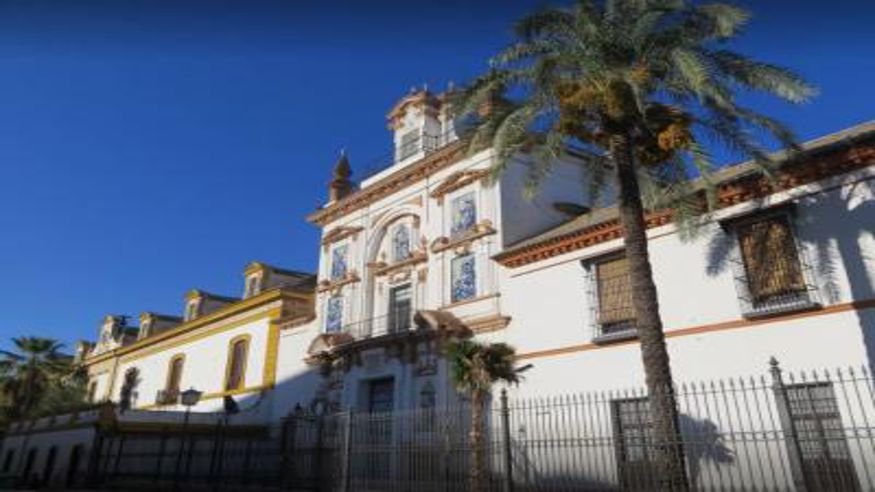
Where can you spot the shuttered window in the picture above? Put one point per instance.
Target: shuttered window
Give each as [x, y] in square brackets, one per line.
[237, 364]
[615, 309]
[771, 260]
[174, 376]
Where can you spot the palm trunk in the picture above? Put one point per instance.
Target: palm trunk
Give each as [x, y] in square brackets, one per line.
[29, 388]
[478, 465]
[667, 445]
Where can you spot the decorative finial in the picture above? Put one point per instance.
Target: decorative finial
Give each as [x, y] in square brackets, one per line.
[341, 185]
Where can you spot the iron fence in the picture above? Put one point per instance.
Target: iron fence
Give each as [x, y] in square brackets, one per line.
[807, 431]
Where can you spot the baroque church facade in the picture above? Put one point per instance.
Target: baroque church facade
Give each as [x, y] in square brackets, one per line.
[434, 246]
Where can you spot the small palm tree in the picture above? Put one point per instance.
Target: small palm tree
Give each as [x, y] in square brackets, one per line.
[642, 86]
[26, 373]
[474, 368]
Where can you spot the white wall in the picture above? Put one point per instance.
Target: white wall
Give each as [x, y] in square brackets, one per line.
[205, 360]
[551, 310]
[522, 218]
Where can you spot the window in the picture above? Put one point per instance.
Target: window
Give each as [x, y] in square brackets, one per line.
[92, 392]
[334, 314]
[772, 277]
[191, 311]
[614, 312]
[28, 463]
[49, 466]
[826, 458]
[339, 262]
[409, 145]
[400, 300]
[464, 214]
[252, 286]
[427, 403]
[7, 461]
[174, 378]
[463, 278]
[633, 435]
[401, 243]
[236, 368]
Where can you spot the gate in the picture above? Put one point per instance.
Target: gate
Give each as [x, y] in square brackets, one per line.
[311, 445]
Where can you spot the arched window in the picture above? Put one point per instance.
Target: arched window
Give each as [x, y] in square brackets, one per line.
[191, 311]
[7, 461]
[174, 376]
[401, 243]
[28, 464]
[74, 464]
[92, 392]
[235, 373]
[252, 286]
[49, 467]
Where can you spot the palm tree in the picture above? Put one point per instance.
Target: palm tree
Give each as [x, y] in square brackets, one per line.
[643, 87]
[474, 368]
[26, 373]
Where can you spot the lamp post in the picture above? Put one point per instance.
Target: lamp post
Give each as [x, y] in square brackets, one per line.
[188, 399]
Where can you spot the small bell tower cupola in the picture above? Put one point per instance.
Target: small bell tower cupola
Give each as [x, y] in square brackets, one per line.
[416, 123]
[341, 185]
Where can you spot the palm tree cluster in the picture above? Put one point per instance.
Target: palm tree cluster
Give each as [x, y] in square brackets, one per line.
[474, 369]
[37, 378]
[641, 89]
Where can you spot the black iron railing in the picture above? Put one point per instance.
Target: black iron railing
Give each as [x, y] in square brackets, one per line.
[774, 431]
[397, 321]
[422, 145]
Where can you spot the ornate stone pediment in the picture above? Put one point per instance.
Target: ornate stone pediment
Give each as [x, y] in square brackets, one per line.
[340, 233]
[456, 181]
[443, 243]
[381, 268]
[351, 277]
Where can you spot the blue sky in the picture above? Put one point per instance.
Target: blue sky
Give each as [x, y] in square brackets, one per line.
[151, 147]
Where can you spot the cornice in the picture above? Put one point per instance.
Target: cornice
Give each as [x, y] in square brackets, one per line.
[340, 233]
[445, 157]
[225, 312]
[482, 229]
[742, 189]
[457, 181]
[381, 268]
[335, 285]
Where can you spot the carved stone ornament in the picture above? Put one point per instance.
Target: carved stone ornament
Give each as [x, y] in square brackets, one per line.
[457, 181]
[482, 229]
[340, 233]
[334, 286]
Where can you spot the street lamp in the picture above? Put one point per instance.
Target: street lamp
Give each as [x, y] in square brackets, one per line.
[188, 398]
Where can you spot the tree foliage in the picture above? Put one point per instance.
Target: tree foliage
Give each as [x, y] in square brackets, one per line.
[660, 71]
[37, 379]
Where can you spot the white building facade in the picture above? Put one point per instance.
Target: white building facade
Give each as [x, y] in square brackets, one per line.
[436, 246]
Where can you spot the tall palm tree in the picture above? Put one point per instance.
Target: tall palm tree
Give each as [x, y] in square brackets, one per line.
[475, 368]
[26, 373]
[644, 87]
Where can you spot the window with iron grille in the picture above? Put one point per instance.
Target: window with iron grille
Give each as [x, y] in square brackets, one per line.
[771, 275]
[400, 308]
[825, 455]
[410, 144]
[633, 438]
[613, 313]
